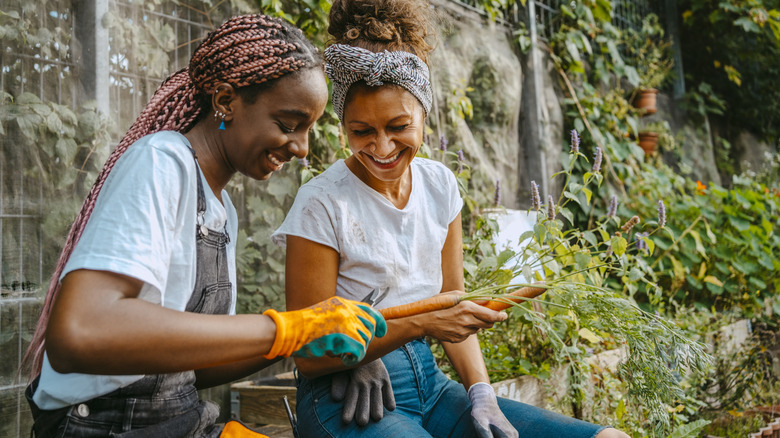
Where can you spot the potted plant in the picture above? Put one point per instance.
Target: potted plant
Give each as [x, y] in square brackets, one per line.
[650, 133]
[651, 53]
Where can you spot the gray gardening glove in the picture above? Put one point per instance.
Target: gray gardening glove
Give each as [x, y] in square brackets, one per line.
[488, 419]
[365, 391]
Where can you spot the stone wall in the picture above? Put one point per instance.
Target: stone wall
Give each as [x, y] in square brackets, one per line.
[476, 58]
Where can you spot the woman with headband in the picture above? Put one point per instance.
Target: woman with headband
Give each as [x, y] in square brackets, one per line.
[383, 218]
[141, 308]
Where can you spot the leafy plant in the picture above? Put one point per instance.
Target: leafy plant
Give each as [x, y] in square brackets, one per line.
[727, 241]
[585, 271]
[741, 71]
[61, 150]
[651, 53]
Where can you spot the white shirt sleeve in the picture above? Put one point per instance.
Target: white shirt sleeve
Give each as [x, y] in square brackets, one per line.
[137, 217]
[455, 201]
[309, 218]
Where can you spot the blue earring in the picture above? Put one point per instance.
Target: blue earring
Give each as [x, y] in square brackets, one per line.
[220, 114]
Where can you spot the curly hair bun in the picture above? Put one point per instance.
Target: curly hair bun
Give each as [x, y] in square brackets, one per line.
[378, 25]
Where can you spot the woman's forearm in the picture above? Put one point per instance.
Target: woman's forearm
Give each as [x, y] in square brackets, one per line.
[99, 326]
[466, 358]
[219, 375]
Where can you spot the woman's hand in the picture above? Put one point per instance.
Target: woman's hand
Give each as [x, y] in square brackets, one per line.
[488, 419]
[366, 391]
[461, 321]
[334, 327]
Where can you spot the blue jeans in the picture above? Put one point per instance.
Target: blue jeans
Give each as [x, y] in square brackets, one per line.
[427, 404]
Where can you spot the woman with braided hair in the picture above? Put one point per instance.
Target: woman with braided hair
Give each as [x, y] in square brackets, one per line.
[384, 217]
[141, 308]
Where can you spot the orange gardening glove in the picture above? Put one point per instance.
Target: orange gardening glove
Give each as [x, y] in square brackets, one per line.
[236, 429]
[334, 327]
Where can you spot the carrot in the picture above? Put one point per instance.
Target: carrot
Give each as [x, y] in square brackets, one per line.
[438, 302]
[523, 292]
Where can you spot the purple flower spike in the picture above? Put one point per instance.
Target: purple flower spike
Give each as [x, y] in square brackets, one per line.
[641, 245]
[443, 143]
[460, 160]
[497, 197]
[304, 162]
[550, 208]
[613, 204]
[575, 141]
[597, 160]
[536, 201]
[661, 214]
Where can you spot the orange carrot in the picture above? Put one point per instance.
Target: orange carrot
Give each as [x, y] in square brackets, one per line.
[523, 292]
[438, 302]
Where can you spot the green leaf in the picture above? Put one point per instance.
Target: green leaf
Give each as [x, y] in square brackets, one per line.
[525, 236]
[747, 25]
[565, 212]
[690, 430]
[588, 194]
[66, 149]
[12, 14]
[590, 238]
[528, 273]
[635, 274]
[582, 260]
[620, 410]
[540, 232]
[699, 247]
[28, 124]
[739, 223]
[757, 282]
[650, 244]
[712, 280]
[572, 49]
[504, 256]
[572, 196]
[603, 10]
[553, 266]
[710, 234]
[53, 122]
[619, 245]
[589, 335]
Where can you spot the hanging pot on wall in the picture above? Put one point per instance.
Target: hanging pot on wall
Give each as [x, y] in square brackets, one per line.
[646, 100]
[648, 141]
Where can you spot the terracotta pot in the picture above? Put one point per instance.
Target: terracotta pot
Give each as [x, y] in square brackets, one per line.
[648, 142]
[646, 100]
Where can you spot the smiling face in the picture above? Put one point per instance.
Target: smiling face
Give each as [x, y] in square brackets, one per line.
[266, 133]
[385, 128]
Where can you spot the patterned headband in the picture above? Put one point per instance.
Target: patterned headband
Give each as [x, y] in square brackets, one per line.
[346, 65]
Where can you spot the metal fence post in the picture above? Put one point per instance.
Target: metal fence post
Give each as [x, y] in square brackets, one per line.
[674, 32]
[93, 65]
[535, 156]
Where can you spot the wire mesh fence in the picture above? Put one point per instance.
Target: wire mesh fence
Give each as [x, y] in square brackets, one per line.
[44, 61]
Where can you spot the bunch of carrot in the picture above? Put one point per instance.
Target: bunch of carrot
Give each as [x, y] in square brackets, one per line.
[444, 301]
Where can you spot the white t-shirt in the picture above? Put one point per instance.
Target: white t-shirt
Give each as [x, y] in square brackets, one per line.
[143, 226]
[379, 245]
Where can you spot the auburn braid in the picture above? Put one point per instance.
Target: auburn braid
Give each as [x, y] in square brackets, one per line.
[249, 52]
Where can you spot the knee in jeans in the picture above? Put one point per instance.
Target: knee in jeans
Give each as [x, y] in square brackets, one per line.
[612, 433]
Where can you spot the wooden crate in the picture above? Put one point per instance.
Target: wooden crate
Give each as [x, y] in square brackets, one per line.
[263, 404]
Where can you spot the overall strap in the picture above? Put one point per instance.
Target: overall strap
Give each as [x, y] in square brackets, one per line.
[201, 193]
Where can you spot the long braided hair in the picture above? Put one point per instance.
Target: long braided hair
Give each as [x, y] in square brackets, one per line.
[249, 52]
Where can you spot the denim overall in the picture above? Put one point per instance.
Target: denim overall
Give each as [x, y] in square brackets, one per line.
[163, 405]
